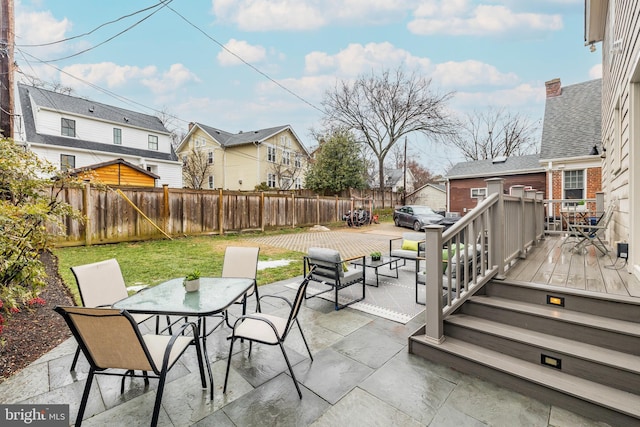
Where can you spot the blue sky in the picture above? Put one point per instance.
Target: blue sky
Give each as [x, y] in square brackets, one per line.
[491, 53]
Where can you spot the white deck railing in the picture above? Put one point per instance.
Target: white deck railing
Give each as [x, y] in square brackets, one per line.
[478, 247]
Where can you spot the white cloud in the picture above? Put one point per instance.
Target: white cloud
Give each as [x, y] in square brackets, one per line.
[104, 72]
[249, 53]
[595, 72]
[356, 59]
[471, 73]
[460, 19]
[177, 76]
[33, 28]
[523, 96]
[283, 15]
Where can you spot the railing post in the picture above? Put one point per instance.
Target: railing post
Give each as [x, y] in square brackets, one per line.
[433, 279]
[165, 208]
[540, 215]
[600, 203]
[496, 226]
[518, 191]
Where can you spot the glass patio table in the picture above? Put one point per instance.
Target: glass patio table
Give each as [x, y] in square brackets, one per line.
[216, 294]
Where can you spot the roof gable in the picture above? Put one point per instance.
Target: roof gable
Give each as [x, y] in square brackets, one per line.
[572, 122]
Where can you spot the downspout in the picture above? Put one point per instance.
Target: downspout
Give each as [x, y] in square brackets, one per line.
[258, 161]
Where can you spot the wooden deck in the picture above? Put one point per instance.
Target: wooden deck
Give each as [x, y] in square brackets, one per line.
[556, 264]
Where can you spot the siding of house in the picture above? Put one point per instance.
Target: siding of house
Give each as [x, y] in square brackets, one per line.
[460, 199]
[118, 174]
[621, 123]
[429, 196]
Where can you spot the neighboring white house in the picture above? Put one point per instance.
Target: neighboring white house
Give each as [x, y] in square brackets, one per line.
[72, 132]
[394, 180]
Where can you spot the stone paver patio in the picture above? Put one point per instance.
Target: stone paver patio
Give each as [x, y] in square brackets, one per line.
[362, 375]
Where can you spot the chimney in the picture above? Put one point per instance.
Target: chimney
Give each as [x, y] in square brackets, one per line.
[554, 88]
[191, 125]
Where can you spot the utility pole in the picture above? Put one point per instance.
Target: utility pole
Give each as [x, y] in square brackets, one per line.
[7, 37]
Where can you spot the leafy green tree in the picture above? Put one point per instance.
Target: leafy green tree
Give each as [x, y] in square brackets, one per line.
[338, 165]
[31, 217]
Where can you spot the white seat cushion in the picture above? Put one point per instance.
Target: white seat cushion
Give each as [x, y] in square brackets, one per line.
[258, 330]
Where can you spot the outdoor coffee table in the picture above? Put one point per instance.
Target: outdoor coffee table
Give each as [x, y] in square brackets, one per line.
[170, 298]
[383, 261]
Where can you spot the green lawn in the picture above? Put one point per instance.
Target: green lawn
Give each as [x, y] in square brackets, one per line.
[155, 261]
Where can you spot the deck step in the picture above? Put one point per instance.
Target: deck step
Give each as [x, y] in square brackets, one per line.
[594, 400]
[614, 334]
[617, 359]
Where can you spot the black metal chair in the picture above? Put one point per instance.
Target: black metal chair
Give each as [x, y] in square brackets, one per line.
[269, 329]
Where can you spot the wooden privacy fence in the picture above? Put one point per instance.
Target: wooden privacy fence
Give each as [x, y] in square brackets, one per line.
[152, 212]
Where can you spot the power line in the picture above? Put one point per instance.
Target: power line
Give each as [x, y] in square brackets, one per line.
[256, 69]
[95, 29]
[110, 38]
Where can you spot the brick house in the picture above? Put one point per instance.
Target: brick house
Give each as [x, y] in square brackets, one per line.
[466, 180]
[571, 145]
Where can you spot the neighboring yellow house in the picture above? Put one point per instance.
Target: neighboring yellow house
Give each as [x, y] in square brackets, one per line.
[241, 161]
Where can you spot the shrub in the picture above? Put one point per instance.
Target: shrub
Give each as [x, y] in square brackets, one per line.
[31, 217]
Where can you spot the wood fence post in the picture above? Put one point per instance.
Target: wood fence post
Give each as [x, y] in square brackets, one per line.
[221, 213]
[293, 210]
[317, 209]
[86, 211]
[262, 219]
[165, 208]
[337, 213]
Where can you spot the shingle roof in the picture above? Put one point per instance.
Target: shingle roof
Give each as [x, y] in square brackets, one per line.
[516, 165]
[572, 121]
[78, 106]
[227, 139]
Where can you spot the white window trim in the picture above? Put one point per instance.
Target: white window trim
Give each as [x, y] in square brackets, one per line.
[572, 206]
[480, 192]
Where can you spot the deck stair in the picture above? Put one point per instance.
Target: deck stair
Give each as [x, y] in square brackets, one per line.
[583, 356]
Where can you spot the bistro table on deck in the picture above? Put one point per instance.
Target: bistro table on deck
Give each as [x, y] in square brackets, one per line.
[170, 298]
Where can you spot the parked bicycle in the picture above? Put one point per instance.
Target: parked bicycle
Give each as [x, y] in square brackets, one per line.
[357, 218]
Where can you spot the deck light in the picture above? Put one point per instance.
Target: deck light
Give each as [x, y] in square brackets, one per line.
[555, 300]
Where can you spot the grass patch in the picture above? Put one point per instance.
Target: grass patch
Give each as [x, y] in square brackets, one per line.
[155, 261]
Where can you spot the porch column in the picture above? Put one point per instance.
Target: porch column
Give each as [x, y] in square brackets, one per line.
[496, 227]
[433, 264]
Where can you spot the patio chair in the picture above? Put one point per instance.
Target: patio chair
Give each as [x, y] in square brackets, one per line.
[100, 285]
[592, 234]
[327, 267]
[242, 262]
[408, 247]
[271, 330]
[110, 340]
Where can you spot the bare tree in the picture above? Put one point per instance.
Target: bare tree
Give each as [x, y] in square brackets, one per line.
[381, 109]
[169, 121]
[290, 165]
[493, 133]
[196, 168]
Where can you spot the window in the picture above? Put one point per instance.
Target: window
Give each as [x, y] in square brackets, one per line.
[117, 136]
[286, 158]
[297, 162]
[200, 142]
[573, 186]
[67, 162]
[211, 182]
[298, 183]
[271, 154]
[210, 157]
[285, 183]
[271, 180]
[69, 127]
[478, 192]
[153, 142]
